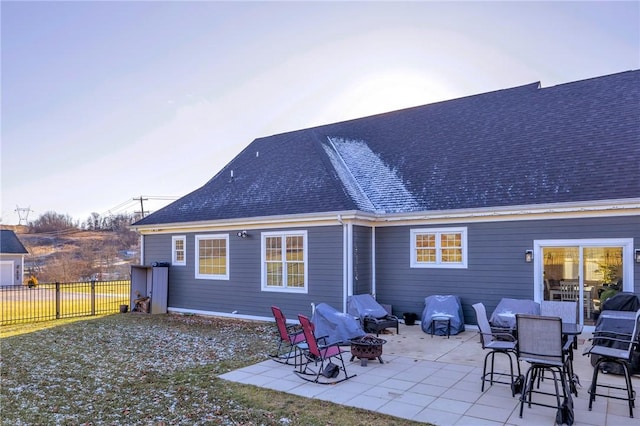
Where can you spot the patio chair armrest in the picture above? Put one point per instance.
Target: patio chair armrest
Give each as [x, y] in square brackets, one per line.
[607, 334]
[614, 339]
[506, 336]
[322, 340]
[294, 329]
[568, 346]
[328, 345]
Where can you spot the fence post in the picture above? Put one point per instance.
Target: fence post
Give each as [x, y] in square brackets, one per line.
[93, 297]
[57, 300]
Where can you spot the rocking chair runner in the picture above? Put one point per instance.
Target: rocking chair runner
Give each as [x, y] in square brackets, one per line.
[290, 339]
[320, 354]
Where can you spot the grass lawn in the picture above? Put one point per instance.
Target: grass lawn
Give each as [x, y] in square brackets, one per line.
[137, 369]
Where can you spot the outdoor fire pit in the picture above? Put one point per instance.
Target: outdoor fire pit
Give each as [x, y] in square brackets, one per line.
[367, 347]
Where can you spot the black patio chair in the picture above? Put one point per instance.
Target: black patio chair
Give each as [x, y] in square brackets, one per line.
[616, 348]
[540, 343]
[497, 343]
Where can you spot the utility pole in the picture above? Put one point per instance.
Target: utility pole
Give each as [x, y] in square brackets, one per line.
[23, 214]
[141, 205]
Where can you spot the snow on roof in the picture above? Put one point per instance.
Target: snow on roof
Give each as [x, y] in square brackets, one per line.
[368, 180]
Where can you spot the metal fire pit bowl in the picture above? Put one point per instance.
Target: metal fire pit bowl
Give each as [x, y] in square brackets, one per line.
[367, 347]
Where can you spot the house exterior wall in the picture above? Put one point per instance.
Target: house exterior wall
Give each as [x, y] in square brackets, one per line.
[242, 292]
[496, 266]
[362, 272]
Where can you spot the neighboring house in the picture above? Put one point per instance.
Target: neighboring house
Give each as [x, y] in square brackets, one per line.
[445, 198]
[11, 258]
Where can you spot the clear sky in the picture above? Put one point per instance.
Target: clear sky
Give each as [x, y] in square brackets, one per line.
[103, 102]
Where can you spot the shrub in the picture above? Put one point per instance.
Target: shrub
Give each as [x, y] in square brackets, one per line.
[32, 282]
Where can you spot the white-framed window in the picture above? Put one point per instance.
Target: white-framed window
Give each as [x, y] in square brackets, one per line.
[179, 250]
[212, 257]
[439, 248]
[284, 261]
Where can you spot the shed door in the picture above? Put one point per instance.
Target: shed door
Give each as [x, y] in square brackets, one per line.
[6, 272]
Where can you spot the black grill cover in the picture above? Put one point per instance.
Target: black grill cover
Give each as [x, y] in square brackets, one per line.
[610, 324]
[624, 301]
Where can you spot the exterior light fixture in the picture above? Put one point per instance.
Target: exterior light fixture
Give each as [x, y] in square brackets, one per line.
[637, 255]
[528, 256]
[242, 234]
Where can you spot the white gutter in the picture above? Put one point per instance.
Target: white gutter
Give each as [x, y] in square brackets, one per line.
[625, 207]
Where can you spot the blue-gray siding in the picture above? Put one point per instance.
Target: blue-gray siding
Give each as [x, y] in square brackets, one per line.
[242, 292]
[496, 266]
[362, 276]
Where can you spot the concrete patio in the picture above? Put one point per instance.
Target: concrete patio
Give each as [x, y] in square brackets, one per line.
[437, 380]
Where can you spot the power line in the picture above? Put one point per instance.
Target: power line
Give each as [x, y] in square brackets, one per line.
[142, 200]
[130, 204]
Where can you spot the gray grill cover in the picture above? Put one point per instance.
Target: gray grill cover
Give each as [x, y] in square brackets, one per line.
[337, 326]
[505, 313]
[364, 305]
[444, 307]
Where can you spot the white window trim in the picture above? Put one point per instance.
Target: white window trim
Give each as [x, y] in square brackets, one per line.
[438, 264]
[627, 258]
[200, 276]
[263, 268]
[174, 260]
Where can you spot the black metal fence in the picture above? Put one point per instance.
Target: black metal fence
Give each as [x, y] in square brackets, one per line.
[44, 302]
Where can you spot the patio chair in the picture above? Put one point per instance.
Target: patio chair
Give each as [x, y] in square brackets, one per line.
[567, 311]
[372, 315]
[540, 344]
[320, 354]
[616, 348]
[497, 343]
[291, 337]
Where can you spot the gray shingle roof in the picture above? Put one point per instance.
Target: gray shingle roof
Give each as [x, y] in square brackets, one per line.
[10, 244]
[526, 145]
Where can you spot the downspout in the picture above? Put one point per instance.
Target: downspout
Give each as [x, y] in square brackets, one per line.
[142, 249]
[373, 261]
[345, 258]
[349, 289]
[22, 269]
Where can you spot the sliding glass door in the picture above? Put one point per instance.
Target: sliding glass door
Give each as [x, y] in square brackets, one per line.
[585, 271]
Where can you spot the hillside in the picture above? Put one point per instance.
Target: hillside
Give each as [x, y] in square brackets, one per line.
[77, 255]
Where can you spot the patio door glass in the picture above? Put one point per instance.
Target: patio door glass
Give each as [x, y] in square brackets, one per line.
[586, 274]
